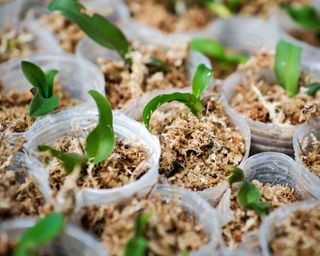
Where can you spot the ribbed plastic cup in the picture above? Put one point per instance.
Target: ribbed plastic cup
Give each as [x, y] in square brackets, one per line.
[72, 240]
[53, 127]
[276, 219]
[302, 136]
[75, 76]
[265, 136]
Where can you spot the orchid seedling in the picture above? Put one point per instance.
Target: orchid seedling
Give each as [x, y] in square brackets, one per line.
[99, 29]
[192, 100]
[249, 196]
[216, 50]
[305, 16]
[99, 142]
[138, 244]
[44, 101]
[44, 231]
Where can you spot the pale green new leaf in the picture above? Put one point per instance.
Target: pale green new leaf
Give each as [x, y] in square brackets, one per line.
[201, 80]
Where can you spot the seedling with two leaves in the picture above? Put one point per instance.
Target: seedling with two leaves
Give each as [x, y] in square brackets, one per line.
[99, 142]
[44, 231]
[249, 196]
[288, 69]
[192, 100]
[100, 30]
[44, 101]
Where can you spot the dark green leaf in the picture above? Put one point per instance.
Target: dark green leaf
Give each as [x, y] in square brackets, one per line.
[208, 47]
[201, 80]
[69, 161]
[194, 104]
[249, 198]
[237, 175]
[96, 27]
[35, 76]
[288, 66]
[234, 5]
[313, 88]
[158, 65]
[101, 140]
[306, 16]
[50, 75]
[40, 106]
[44, 231]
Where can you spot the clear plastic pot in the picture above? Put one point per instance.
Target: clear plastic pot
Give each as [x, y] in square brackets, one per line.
[277, 218]
[72, 241]
[265, 136]
[53, 127]
[75, 76]
[197, 207]
[273, 168]
[9, 12]
[303, 136]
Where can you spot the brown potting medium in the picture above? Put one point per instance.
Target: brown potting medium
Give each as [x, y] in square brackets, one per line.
[171, 230]
[195, 151]
[245, 221]
[124, 83]
[267, 102]
[14, 108]
[126, 164]
[311, 155]
[19, 196]
[299, 234]
[307, 36]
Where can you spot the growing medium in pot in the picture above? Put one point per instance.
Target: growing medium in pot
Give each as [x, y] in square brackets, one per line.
[196, 145]
[287, 100]
[19, 194]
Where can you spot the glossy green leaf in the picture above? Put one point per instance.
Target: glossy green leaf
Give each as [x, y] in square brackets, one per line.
[237, 175]
[313, 88]
[101, 140]
[249, 198]
[306, 16]
[157, 65]
[96, 27]
[40, 106]
[288, 66]
[138, 245]
[201, 80]
[50, 75]
[208, 47]
[44, 231]
[35, 76]
[194, 104]
[69, 161]
[219, 9]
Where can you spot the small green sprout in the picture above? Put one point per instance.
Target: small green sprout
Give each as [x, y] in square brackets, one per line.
[99, 142]
[192, 100]
[218, 8]
[313, 88]
[288, 66]
[248, 196]
[44, 231]
[43, 101]
[138, 244]
[99, 29]
[216, 50]
[305, 16]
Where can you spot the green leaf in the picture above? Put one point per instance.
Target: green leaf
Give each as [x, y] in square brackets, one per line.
[201, 80]
[306, 16]
[288, 66]
[158, 65]
[249, 198]
[50, 75]
[138, 245]
[208, 47]
[313, 88]
[35, 76]
[44, 231]
[194, 104]
[219, 9]
[40, 106]
[101, 140]
[237, 175]
[235, 58]
[69, 161]
[96, 27]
